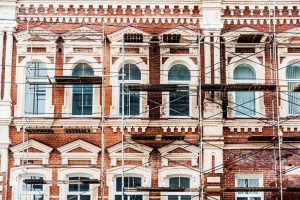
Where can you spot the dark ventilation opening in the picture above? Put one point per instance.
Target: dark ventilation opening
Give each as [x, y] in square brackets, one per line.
[143, 137]
[171, 38]
[133, 38]
[249, 38]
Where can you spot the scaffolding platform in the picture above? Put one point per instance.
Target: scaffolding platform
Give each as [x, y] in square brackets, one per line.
[71, 80]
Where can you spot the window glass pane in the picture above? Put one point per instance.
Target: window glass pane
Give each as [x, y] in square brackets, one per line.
[174, 182]
[85, 197]
[137, 182]
[119, 184]
[244, 72]
[179, 73]
[173, 197]
[131, 103]
[84, 187]
[38, 197]
[184, 182]
[35, 70]
[35, 99]
[135, 197]
[72, 197]
[33, 187]
[253, 182]
[186, 197]
[73, 187]
[241, 183]
[118, 197]
[83, 70]
[82, 100]
[255, 198]
[245, 103]
[293, 71]
[179, 103]
[242, 198]
[131, 71]
[293, 98]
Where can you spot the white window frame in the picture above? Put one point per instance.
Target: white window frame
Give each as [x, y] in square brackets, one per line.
[16, 177]
[89, 192]
[24, 193]
[68, 95]
[169, 172]
[137, 171]
[64, 174]
[169, 63]
[115, 83]
[21, 86]
[249, 176]
[284, 104]
[129, 193]
[260, 77]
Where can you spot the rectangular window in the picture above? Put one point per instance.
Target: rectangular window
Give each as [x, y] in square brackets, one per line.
[128, 182]
[82, 100]
[244, 103]
[179, 182]
[248, 182]
[32, 191]
[179, 103]
[293, 99]
[35, 99]
[78, 191]
[131, 102]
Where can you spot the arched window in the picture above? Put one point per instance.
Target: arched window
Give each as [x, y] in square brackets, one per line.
[132, 74]
[31, 191]
[179, 101]
[35, 98]
[293, 78]
[82, 103]
[244, 100]
[79, 191]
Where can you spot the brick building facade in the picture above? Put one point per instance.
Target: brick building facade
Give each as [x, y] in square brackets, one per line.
[61, 114]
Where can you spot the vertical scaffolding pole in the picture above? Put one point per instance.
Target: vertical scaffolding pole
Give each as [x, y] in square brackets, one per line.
[102, 112]
[200, 124]
[123, 118]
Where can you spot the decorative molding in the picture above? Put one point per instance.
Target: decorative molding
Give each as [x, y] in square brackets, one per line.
[67, 155]
[192, 153]
[19, 152]
[142, 153]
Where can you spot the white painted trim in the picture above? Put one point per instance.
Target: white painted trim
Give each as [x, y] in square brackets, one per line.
[63, 174]
[16, 176]
[256, 176]
[143, 172]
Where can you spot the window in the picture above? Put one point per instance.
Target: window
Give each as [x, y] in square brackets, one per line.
[179, 182]
[82, 103]
[128, 182]
[77, 191]
[293, 78]
[32, 191]
[179, 101]
[244, 101]
[35, 91]
[132, 74]
[248, 182]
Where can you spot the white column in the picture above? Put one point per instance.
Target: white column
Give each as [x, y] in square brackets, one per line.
[207, 58]
[1, 56]
[217, 64]
[8, 66]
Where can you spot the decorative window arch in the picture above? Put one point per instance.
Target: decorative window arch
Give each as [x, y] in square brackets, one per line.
[179, 71]
[178, 177]
[85, 66]
[142, 176]
[244, 100]
[34, 69]
[132, 74]
[38, 191]
[245, 70]
[88, 191]
[115, 81]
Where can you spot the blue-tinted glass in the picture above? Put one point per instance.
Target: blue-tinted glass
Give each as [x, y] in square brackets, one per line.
[84, 187]
[245, 103]
[184, 182]
[293, 71]
[85, 197]
[174, 182]
[135, 197]
[119, 184]
[73, 187]
[173, 197]
[179, 73]
[131, 71]
[131, 103]
[35, 99]
[179, 104]
[38, 197]
[244, 72]
[83, 70]
[186, 197]
[36, 70]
